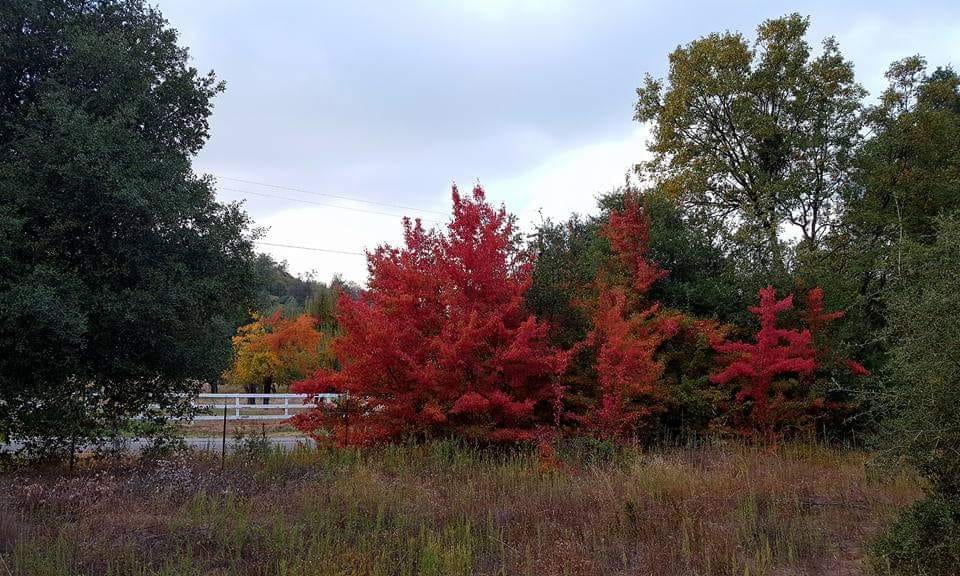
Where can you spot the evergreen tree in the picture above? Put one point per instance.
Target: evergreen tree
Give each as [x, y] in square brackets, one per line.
[121, 276]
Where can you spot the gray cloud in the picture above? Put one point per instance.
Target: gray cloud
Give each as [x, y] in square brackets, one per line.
[392, 101]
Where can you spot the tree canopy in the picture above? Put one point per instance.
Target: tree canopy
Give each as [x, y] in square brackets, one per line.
[758, 133]
[121, 276]
[441, 341]
[272, 352]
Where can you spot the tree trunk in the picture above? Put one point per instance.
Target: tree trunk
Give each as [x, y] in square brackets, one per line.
[267, 388]
[776, 254]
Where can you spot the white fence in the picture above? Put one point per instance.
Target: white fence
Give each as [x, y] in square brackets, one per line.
[237, 406]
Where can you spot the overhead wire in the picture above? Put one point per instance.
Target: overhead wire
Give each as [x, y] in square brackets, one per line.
[335, 206]
[322, 204]
[328, 195]
[312, 248]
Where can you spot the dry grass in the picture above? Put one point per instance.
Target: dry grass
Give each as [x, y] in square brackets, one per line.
[444, 509]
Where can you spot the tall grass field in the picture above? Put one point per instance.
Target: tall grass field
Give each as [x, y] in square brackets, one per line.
[446, 509]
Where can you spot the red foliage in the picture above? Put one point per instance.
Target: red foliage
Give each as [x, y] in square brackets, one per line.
[629, 235]
[856, 368]
[817, 321]
[440, 342]
[775, 351]
[628, 371]
[628, 332]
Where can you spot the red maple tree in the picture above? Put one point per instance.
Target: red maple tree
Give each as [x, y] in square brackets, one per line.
[775, 351]
[440, 342]
[628, 231]
[628, 331]
[817, 321]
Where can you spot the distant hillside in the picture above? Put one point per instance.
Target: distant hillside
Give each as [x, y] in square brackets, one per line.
[297, 294]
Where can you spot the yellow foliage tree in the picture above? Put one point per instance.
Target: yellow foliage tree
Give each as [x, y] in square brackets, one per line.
[272, 351]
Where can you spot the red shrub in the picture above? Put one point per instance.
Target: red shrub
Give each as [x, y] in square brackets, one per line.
[628, 331]
[775, 352]
[440, 342]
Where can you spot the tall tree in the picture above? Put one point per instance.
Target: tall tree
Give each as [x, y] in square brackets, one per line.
[121, 276]
[906, 176]
[628, 330]
[759, 134]
[441, 343]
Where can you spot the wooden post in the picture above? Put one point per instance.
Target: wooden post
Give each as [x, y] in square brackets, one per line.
[223, 441]
[73, 448]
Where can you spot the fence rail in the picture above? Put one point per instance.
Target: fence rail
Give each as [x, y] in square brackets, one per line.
[237, 406]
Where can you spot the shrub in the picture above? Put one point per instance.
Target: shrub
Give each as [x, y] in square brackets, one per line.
[924, 541]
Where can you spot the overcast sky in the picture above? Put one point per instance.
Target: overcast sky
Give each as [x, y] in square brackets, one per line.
[391, 102]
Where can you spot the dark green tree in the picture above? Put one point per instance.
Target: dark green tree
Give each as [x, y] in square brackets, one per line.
[568, 258]
[905, 176]
[121, 276]
[703, 280]
[757, 135]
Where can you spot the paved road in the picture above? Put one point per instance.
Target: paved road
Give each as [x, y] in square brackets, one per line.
[211, 443]
[214, 443]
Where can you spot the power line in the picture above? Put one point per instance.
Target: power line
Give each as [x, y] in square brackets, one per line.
[351, 208]
[311, 248]
[340, 197]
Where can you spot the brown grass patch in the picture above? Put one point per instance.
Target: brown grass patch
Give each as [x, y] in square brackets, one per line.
[444, 509]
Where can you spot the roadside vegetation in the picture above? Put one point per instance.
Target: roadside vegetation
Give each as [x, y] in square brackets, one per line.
[444, 508]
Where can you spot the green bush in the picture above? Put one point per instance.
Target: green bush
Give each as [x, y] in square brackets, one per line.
[924, 541]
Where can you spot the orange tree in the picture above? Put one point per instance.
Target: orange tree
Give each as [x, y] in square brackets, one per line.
[273, 351]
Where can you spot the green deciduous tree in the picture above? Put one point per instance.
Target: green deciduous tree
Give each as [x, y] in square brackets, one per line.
[121, 276]
[759, 135]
